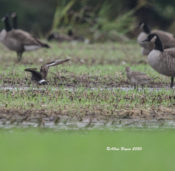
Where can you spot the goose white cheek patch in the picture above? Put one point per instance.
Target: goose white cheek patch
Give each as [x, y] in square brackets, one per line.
[31, 47]
[153, 39]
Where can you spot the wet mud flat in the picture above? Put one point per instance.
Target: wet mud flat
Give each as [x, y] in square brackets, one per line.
[62, 119]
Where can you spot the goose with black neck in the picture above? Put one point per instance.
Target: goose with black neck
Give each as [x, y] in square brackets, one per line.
[160, 59]
[18, 40]
[167, 39]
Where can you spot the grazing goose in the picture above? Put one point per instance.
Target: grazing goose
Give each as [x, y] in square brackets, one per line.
[162, 60]
[19, 40]
[59, 37]
[167, 39]
[65, 38]
[136, 78]
[75, 37]
[40, 76]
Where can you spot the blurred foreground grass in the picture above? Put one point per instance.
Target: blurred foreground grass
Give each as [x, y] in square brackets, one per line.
[41, 150]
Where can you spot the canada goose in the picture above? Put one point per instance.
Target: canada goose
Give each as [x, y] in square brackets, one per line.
[75, 37]
[167, 39]
[137, 78]
[40, 76]
[65, 38]
[162, 60]
[19, 40]
[59, 37]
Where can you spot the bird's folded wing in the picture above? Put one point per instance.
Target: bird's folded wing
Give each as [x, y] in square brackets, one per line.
[34, 72]
[23, 37]
[169, 53]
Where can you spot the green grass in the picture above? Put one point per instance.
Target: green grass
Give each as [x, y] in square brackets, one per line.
[86, 150]
[114, 98]
[91, 65]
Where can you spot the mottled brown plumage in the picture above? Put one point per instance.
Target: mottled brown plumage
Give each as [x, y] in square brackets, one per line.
[137, 78]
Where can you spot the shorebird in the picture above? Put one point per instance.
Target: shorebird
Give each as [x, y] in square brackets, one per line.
[40, 76]
[18, 40]
[160, 59]
[137, 78]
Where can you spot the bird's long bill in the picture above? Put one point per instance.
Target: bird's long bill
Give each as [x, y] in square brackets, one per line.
[57, 62]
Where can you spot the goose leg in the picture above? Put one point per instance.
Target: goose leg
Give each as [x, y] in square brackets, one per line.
[172, 82]
[19, 56]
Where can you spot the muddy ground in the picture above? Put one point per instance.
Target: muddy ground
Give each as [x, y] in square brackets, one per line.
[88, 118]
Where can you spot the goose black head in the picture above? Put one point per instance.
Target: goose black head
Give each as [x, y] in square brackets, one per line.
[144, 27]
[154, 38]
[70, 32]
[14, 20]
[7, 26]
[150, 38]
[51, 36]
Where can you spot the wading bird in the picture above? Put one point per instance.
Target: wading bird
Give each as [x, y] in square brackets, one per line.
[137, 78]
[40, 76]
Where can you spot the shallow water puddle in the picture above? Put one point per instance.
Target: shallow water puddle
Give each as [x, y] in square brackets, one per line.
[73, 88]
[87, 124]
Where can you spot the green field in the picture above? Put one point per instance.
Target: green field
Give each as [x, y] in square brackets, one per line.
[86, 150]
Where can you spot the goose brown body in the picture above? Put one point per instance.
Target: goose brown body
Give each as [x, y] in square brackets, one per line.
[163, 62]
[19, 40]
[160, 59]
